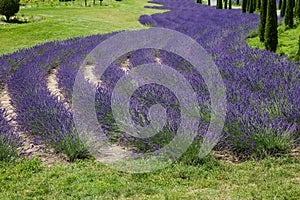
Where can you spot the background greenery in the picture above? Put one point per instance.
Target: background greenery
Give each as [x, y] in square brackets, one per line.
[48, 21]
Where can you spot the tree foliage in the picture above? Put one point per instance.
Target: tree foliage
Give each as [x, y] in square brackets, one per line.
[9, 8]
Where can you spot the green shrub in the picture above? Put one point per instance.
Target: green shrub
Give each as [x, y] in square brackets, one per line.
[9, 8]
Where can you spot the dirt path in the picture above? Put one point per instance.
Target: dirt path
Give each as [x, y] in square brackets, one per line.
[113, 152]
[52, 85]
[31, 147]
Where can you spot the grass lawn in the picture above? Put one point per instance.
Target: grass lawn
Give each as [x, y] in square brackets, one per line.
[61, 21]
[287, 41]
[265, 179]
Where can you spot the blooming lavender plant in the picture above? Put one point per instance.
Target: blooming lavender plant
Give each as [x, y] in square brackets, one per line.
[9, 141]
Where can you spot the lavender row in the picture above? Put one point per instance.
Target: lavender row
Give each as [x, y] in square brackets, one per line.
[68, 68]
[39, 112]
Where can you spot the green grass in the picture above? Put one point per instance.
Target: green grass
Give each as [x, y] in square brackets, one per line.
[63, 21]
[287, 41]
[265, 179]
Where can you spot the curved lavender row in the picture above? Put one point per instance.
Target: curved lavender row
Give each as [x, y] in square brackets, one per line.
[68, 68]
[10, 62]
[39, 112]
[263, 89]
[9, 141]
[140, 103]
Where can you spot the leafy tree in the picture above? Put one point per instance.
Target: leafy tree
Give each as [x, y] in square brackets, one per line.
[9, 8]
[289, 15]
[230, 4]
[237, 2]
[263, 17]
[208, 2]
[271, 33]
[199, 1]
[283, 7]
[225, 4]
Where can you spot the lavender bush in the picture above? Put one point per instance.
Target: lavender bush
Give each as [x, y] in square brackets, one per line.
[9, 141]
[39, 112]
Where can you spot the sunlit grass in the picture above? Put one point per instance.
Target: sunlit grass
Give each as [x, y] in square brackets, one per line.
[267, 179]
[68, 20]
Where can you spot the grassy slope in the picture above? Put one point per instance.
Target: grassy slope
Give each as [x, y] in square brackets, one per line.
[287, 41]
[62, 22]
[265, 179]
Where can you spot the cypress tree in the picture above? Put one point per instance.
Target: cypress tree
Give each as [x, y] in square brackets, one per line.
[244, 6]
[283, 7]
[297, 58]
[219, 4]
[289, 15]
[271, 34]
[254, 4]
[279, 4]
[258, 4]
[250, 6]
[297, 9]
[263, 17]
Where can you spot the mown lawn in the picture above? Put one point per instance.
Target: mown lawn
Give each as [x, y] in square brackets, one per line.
[61, 21]
[265, 179]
